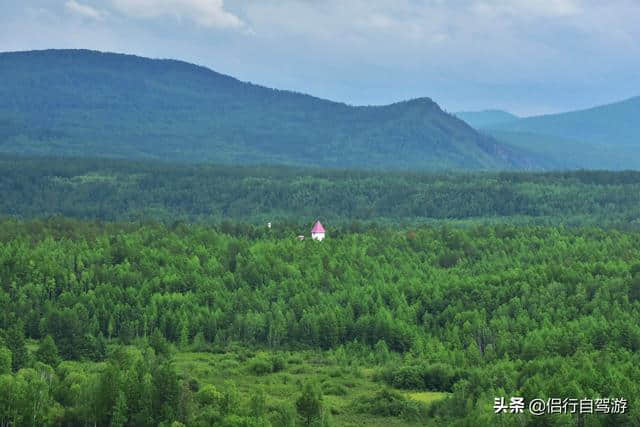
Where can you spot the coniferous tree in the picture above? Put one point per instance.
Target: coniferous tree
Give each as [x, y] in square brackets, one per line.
[48, 352]
[16, 343]
[119, 416]
[309, 404]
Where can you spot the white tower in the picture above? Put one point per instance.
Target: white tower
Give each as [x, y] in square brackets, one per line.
[317, 232]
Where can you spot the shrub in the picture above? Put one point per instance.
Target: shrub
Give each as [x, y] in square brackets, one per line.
[278, 363]
[309, 404]
[386, 403]
[436, 377]
[439, 377]
[295, 360]
[227, 364]
[283, 414]
[336, 373]
[193, 385]
[209, 395]
[301, 370]
[390, 403]
[260, 366]
[448, 259]
[409, 377]
[333, 388]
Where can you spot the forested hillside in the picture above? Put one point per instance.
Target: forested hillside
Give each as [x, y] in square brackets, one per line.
[603, 137]
[116, 190]
[568, 154]
[612, 125]
[72, 102]
[98, 321]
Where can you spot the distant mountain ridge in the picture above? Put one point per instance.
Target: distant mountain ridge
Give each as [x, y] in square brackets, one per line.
[87, 103]
[481, 119]
[602, 137]
[616, 123]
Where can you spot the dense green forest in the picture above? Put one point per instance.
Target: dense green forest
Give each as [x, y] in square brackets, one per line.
[140, 293]
[78, 102]
[117, 190]
[151, 324]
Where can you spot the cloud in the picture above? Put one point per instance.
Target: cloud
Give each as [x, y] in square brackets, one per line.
[528, 8]
[207, 13]
[525, 55]
[85, 10]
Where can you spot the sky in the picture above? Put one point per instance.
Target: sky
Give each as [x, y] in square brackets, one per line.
[525, 56]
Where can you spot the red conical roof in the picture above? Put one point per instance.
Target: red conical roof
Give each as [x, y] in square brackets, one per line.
[317, 228]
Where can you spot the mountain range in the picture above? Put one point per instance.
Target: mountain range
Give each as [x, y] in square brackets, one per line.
[603, 137]
[88, 103]
[486, 118]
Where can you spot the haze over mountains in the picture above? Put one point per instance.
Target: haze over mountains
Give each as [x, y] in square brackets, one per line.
[486, 118]
[617, 123]
[77, 102]
[603, 137]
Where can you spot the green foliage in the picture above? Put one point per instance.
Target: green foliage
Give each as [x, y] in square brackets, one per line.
[448, 259]
[26, 399]
[348, 201]
[278, 363]
[257, 404]
[5, 361]
[309, 404]
[48, 352]
[334, 388]
[16, 343]
[167, 390]
[509, 319]
[436, 377]
[209, 395]
[390, 403]
[382, 352]
[634, 291]
[261, 366]
[283, 415]
[119, 417]
[407, 377]
[159, 343]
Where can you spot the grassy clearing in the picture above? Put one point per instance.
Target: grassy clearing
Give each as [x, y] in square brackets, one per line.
[426, 396]
[341, 386]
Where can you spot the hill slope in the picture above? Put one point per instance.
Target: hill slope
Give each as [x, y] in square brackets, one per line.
[76, 102]
[486, 118]
[614, 124]
[604, 137]
[571, 154]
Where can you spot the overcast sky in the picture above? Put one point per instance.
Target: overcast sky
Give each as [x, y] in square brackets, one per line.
[525, 56]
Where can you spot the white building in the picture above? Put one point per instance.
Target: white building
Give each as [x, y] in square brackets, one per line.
[317, 232]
